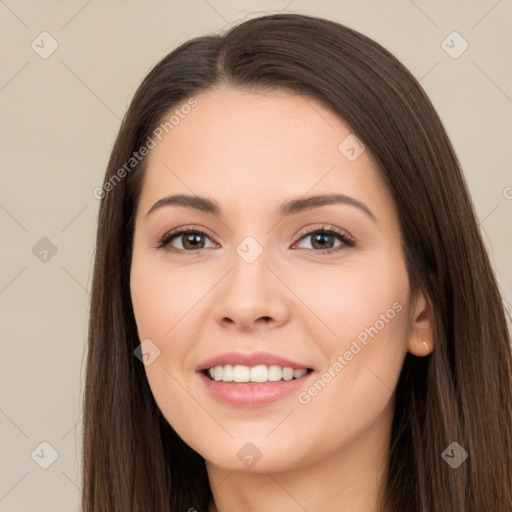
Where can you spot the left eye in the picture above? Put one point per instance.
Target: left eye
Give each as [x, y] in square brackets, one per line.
[324, 238]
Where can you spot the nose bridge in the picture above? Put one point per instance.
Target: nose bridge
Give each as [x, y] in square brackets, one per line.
[250, 275]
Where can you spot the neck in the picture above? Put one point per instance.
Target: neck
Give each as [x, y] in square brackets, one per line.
[349, 480]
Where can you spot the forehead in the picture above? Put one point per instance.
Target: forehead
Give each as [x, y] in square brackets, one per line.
[259, 146]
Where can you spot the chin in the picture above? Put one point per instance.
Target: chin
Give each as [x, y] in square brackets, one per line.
[259, 455]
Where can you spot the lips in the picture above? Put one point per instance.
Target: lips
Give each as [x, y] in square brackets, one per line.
[239, 392]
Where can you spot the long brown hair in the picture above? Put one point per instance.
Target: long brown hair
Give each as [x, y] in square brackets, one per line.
[132, 458]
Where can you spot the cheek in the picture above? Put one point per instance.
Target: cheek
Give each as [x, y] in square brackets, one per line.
[350, 298]
[367, 309]
[161, 300]
[162, 296]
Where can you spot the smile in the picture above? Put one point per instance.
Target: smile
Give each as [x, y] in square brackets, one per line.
[253, 379]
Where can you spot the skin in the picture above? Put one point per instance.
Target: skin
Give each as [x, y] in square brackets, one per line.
[250, 151]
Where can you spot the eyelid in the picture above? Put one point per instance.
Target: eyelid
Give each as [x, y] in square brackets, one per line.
[322, 227]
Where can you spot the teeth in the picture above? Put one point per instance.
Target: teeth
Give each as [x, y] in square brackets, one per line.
[240, 373]
[275, 373]
[227, 373]
[258, 374]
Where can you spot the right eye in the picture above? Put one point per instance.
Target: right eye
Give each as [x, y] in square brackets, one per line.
[190, 240]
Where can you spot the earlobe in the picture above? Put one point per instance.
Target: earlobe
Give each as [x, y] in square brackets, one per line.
[421, 331]
[419, 349]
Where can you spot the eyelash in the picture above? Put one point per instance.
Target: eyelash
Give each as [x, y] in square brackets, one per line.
[347, 241]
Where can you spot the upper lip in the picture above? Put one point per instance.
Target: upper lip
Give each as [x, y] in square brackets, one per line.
[252, 359]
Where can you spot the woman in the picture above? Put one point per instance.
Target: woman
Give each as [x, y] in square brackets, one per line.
[337, 340]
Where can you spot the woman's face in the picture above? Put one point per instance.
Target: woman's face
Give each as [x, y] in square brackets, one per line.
[268, 284]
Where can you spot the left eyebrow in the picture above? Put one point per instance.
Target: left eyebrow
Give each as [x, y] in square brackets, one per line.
[294, 206]
[290, 207]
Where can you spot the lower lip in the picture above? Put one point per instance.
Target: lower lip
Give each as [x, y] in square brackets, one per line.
[252, 394]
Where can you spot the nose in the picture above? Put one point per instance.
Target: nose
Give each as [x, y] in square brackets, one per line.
[251, 297]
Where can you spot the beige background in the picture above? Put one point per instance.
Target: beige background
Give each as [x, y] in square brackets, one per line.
[59, 119]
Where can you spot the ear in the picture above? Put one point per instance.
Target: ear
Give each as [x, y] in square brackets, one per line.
[421, 327]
